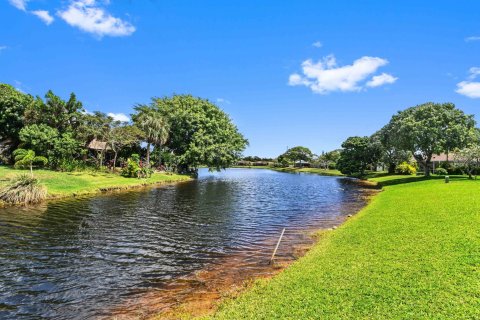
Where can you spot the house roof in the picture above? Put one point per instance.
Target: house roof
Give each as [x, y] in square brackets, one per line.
[442, 157]
[98, 145]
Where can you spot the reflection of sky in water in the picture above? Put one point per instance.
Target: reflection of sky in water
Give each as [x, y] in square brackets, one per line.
[71, 258]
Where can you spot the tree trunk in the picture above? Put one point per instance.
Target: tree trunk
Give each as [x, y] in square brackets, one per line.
[428, 161]
[114, 161]
[31, 169]
[148, 154]
[391, 168]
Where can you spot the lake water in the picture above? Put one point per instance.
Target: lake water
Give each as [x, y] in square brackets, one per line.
[97, 256]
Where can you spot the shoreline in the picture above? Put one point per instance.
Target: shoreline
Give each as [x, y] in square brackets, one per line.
[346, 271]
[317, 171]
[64, 185]
[206, 302]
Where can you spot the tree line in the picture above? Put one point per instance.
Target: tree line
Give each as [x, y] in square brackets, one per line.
[180, 132]
[417, 133]
[409, 140]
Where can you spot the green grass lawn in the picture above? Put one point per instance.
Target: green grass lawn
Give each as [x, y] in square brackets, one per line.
[64, 184]
[412, 253]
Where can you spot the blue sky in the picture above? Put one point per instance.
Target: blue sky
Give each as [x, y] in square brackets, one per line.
[288, 72]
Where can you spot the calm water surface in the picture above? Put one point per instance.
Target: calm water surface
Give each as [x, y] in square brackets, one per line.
[80, 258]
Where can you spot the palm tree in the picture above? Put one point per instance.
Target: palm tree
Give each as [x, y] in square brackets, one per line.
[154, 126]
[26, 158]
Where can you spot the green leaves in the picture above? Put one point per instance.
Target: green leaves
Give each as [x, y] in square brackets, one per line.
[12, 106]
[200, 133]
[431, 128]
[357, 154]
[26, 158]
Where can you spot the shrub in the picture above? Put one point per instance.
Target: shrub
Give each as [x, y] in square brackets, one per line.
[405, 168]
[23, 189]
[131, 169]
[134, 168]
[441, 172]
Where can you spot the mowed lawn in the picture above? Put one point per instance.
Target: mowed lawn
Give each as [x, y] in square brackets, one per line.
[413, 253]
[63, 184]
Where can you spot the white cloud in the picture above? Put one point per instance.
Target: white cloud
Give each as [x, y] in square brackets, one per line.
[317, 44]
[119, 117]
[474, 72]
[380, 80]
[89, 17]
[474, 38]
[222, 100]
[470, 89]
[325, 76]
[44, 16]
[19, 4]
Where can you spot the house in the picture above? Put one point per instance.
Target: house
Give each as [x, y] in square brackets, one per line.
[438, 159]
[98, 145]
[301, 164]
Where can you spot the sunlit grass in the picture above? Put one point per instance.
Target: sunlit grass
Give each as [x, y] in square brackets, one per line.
[62, 184]
[412, 253]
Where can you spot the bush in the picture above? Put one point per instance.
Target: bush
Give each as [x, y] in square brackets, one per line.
[332, 166]
[24, 189]
[406, 169]
[441, 172]
[131, 169]
[134, 169]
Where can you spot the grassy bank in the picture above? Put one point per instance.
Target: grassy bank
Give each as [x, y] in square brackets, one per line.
[66, 184]
[412, 253]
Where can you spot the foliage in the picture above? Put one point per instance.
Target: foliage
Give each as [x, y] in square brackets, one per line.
[65, 116]
[431, 128]
[154, 126]
[135, 169]
[12, 107]
[405, 168]
[357, 155]
[391, 153]
[47, 141]
[294, 154]
[23, 189]
[327, 160]
[470, 158]
[200, 133]
[441, 172]
[26, 158]
[121, 136]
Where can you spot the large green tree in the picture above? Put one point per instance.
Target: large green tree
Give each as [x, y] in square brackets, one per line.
[391, 153]
[357, 155]
[431, 128]
[56, 112]
[200, 133]
[294, 154]
[12, 107]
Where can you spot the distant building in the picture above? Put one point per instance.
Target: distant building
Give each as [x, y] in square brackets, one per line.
[98, 145]
[302, 164]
